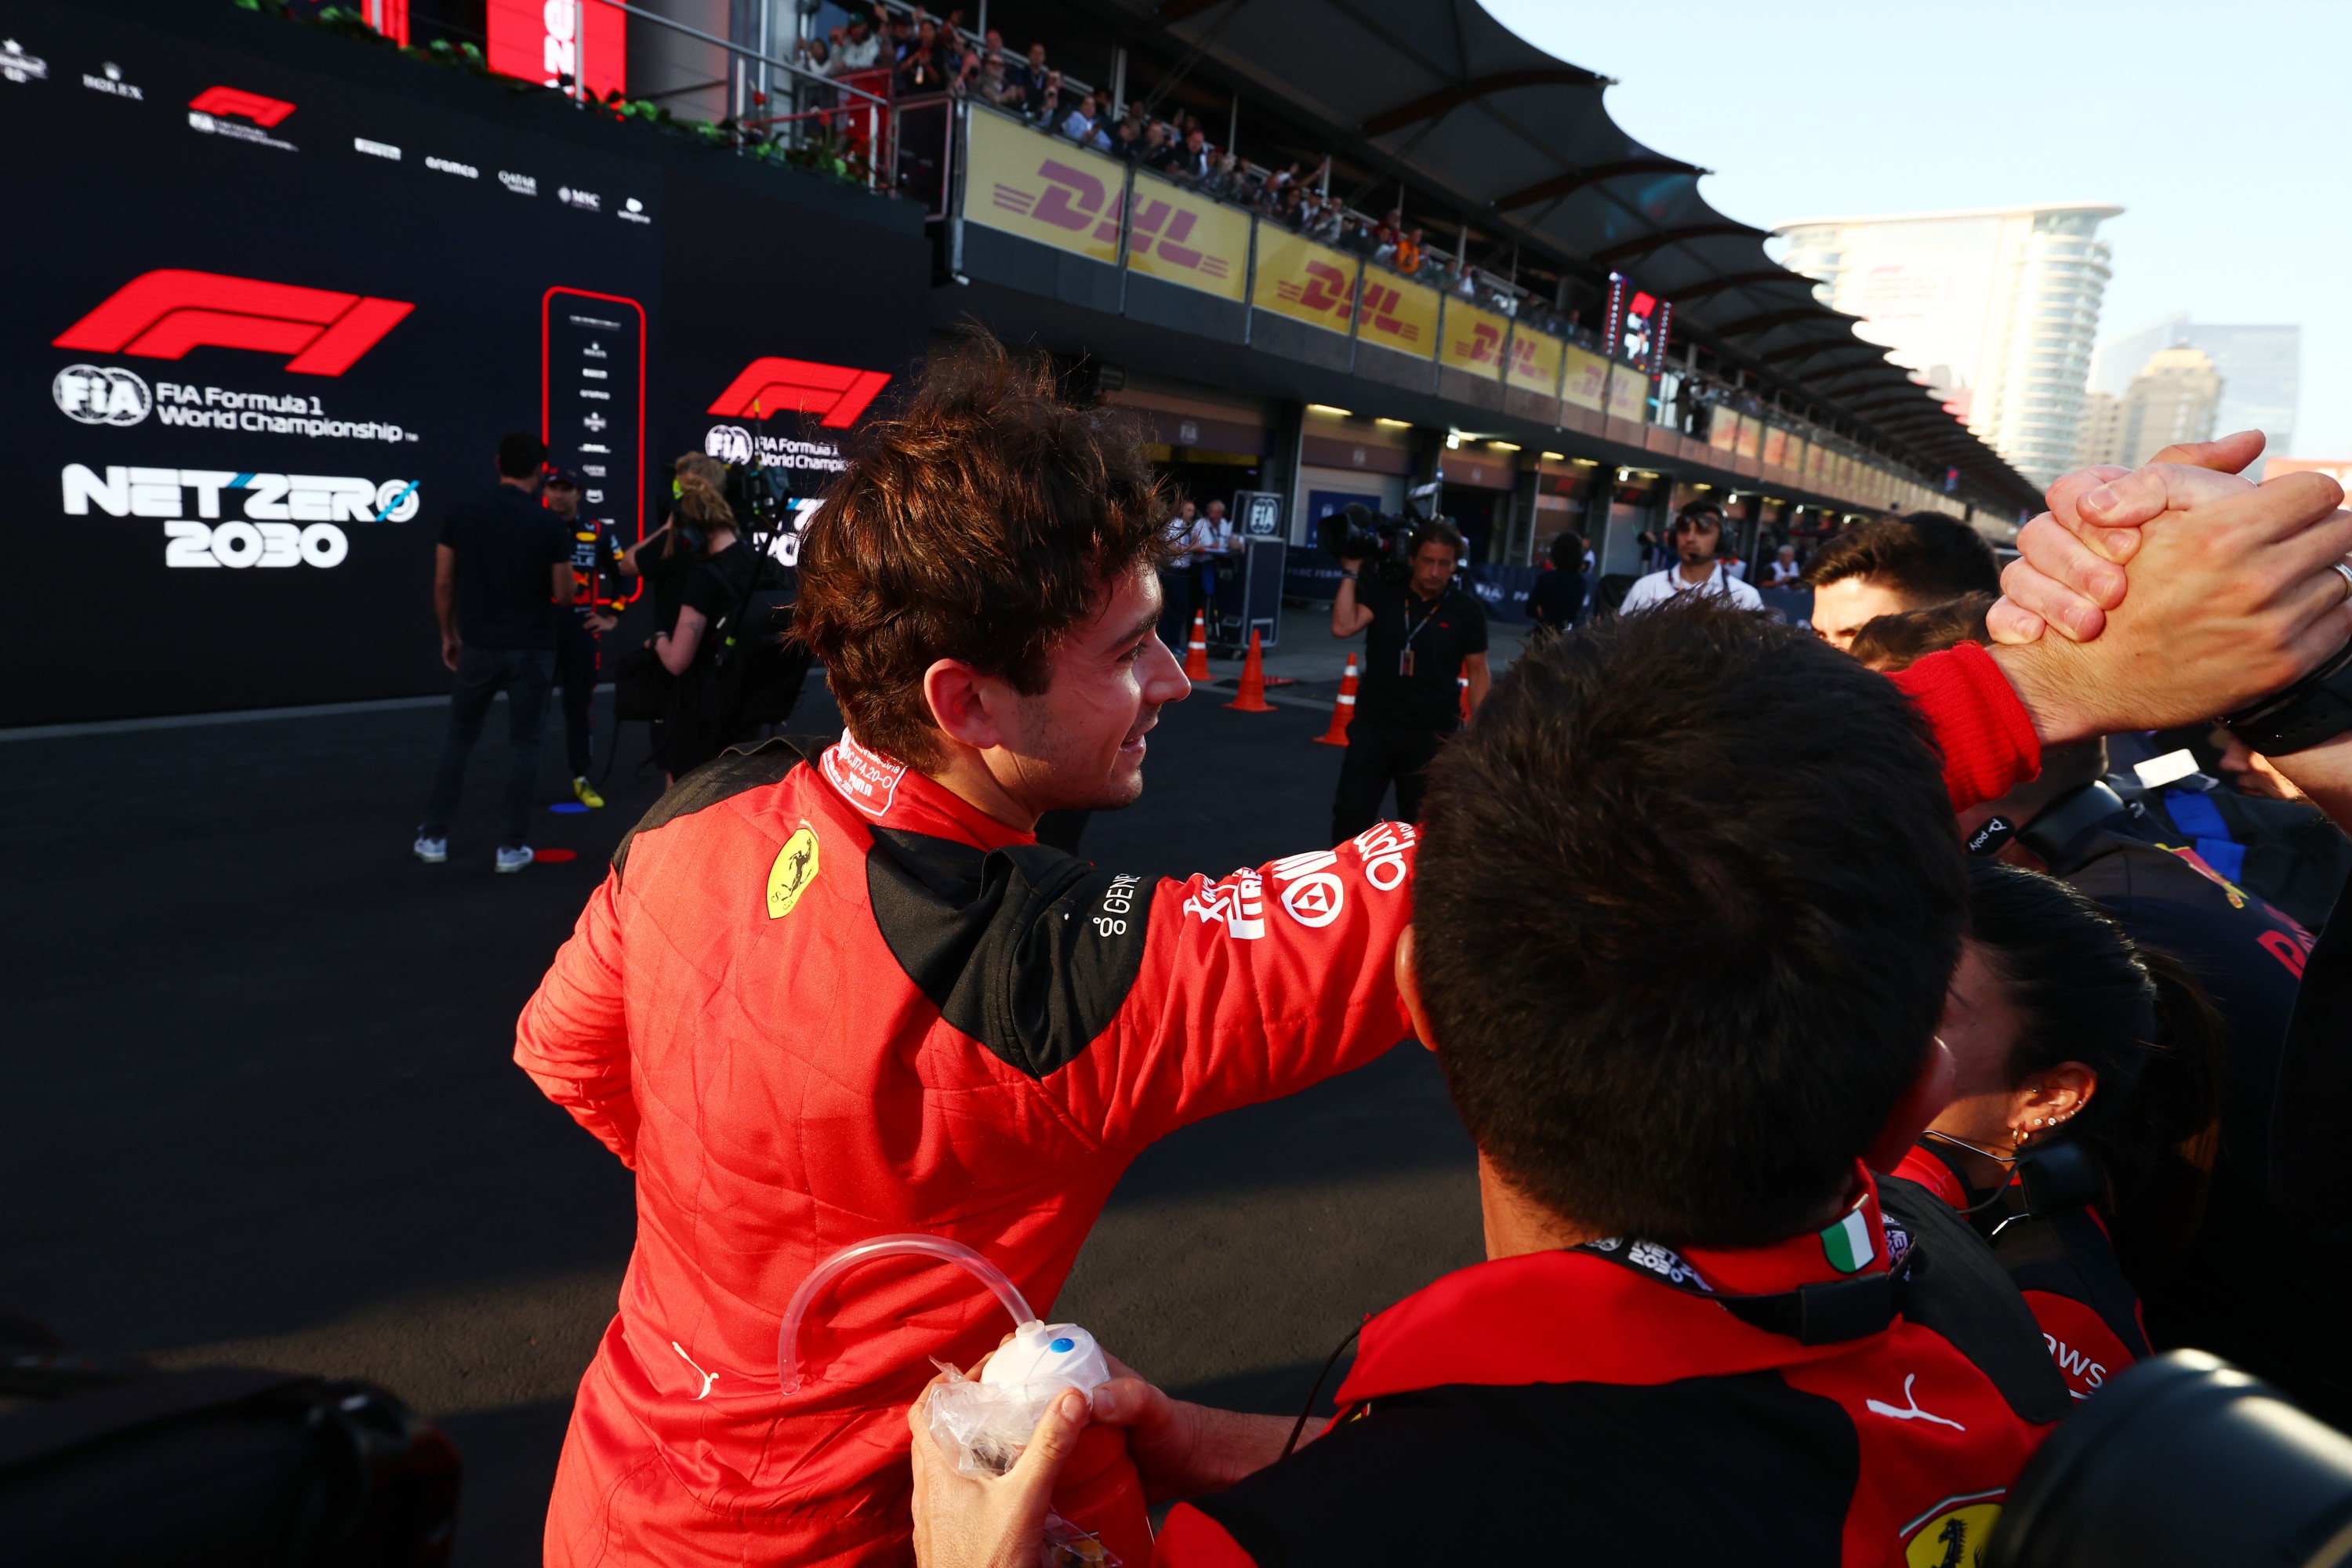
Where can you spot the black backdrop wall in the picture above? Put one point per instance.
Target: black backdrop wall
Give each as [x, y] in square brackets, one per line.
[274, 294]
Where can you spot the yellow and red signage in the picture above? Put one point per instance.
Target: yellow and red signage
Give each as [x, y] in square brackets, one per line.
[1472, 340]
[1303, 280]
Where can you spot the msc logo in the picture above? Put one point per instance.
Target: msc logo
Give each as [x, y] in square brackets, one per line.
[101, 394]
[164, 314]
[768, 386]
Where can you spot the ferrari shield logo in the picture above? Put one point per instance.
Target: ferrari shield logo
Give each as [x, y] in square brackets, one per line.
[794, 869]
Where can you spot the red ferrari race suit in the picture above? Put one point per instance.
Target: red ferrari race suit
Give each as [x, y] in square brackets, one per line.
[816, 1003]
[1861, 1395]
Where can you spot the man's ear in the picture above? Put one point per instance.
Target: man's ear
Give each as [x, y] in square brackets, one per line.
[1930, 1091]
[1409, 990]
[960, 699]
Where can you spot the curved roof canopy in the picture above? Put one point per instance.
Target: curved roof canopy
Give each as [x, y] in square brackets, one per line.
[1441, 94]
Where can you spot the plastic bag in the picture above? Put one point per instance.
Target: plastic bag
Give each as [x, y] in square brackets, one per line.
[984, 1428]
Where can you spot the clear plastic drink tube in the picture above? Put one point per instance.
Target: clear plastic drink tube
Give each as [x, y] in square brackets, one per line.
[788, 1337]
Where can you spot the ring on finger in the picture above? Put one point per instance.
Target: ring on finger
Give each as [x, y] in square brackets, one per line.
[2344, 569]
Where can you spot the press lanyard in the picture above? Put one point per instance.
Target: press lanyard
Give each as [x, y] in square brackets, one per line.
[1404, 659]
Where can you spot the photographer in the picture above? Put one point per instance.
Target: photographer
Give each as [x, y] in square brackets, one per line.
[665, 557]
[1426, 632]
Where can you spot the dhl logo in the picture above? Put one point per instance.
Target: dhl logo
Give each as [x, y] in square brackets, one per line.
[1325, 288]
[1380, 310]
[1523, 358]
[1483, 346]
[1080, 202]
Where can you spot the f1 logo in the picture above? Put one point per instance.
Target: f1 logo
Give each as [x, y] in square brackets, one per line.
[263, 112]
[838, 393]
[162, 315]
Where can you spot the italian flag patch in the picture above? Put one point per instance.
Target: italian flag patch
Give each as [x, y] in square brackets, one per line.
[1848, 1242]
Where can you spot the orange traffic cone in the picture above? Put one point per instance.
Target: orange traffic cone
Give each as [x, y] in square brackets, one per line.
[1341, 710]
[1252, 697]
[1196, 653]
[1464, 682]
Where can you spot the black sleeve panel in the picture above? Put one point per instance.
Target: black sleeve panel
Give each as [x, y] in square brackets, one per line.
[1958, 1289]
[2067, 1254]
[729, 774]
[1029, 951]
[2307, 1138]
[1734, 1470]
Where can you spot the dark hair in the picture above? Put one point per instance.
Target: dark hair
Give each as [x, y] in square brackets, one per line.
[1889, 643]
[1697, 510]
[1927, 555]
[982, 523]
[1568, 552]
[520, 454]
[2084, 992]
[1438, 531]
[1672, 994]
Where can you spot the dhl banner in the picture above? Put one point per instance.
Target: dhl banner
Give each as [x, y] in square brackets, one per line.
[1723, 429]
[1751, 436]
[1303, 280]
[1181, 237]
[1587, 373]
[1776, 446]
[1535, 362]
[1398, 315]
[1472, 339]
[1053, 193]
[1794, 459]
[1628, 394]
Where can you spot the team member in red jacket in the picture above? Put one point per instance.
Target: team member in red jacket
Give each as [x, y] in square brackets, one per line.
[2091, 1072]
[821, 999]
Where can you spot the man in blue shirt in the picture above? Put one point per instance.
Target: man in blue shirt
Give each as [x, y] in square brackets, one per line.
[503, 565]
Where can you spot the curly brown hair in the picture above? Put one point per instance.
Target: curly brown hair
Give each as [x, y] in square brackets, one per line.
[982, 524]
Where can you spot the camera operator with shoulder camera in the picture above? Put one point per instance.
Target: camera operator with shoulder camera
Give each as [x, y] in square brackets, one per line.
[1425, 631]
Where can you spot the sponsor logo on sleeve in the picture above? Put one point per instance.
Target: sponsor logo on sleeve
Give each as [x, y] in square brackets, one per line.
[866, 779]
[1384, 847]
[1312, 893]
[1239, 902]
[1115, 907]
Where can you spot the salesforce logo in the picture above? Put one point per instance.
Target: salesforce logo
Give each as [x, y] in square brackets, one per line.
[101, 394]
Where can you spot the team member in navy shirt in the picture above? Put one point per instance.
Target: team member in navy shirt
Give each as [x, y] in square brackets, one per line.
[503, 565]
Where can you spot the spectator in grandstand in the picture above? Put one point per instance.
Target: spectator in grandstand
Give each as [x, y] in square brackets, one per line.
[1408, 253]
[1885, 565]
[1697, 574]
[919, 72]
[1656, 787]
[860, 50]
[817, 54]
[1084, 125]
[1292, 211]
[1032, 74]
[1195, 160]
[1045, 106]
[2065, 1037]
[1126, 141]
[503, 563]
[1222, 182]
[1786, 572]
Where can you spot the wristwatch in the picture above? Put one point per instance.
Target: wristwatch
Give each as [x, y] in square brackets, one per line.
[2315, 709]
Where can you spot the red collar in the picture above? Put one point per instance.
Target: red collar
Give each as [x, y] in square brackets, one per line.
[1925, 1167]
[1574, 1317]
[887, 792]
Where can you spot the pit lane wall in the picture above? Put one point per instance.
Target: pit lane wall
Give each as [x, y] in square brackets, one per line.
[276, 294]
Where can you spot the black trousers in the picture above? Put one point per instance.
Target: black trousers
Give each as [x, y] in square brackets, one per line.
[1378, 757]
[525, 674]
[576, 666]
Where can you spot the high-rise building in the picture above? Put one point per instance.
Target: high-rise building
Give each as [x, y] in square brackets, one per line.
[2260, 370]
[2173, 399]
[1996, 307]
[2099, 438]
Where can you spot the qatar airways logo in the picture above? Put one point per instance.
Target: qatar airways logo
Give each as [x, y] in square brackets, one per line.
[164, 314]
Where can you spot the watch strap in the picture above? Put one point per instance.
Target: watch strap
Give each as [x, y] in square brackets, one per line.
[2316, 708]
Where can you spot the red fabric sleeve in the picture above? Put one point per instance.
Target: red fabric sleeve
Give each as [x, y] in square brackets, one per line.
[1920, 1166]
[1254, 986]
[574, 1036]
[2086, 1349]
[1191, 1539]
[1982, 730]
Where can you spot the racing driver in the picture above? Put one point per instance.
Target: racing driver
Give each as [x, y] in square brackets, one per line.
[834, 993]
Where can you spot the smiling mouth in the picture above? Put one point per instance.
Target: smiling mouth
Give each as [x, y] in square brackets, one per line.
[1134, 742]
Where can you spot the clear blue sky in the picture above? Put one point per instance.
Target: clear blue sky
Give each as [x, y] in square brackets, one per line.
[2225, 131]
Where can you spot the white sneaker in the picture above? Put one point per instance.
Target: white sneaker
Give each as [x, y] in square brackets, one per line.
[514, 859]
[432, 851]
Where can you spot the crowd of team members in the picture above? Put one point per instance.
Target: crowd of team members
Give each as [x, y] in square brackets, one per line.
[1827, 1143]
